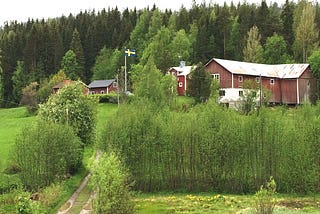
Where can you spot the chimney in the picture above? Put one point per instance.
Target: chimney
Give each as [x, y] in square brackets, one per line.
[182, 64]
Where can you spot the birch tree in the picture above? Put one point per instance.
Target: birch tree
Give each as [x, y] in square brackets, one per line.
[306, 35]
[253, 50]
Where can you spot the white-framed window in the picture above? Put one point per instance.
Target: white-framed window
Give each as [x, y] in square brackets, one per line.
[216, 76]
[92, 92]
[222, 93]
[258, 79]
[271, 81]
[180, 84]
[102, 92]
[240, 78]
[240, 93]
[115, 84]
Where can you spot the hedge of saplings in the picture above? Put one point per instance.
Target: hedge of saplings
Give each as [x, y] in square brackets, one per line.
[214, 148]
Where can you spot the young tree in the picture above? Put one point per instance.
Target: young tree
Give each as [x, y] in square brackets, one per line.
[158, 50]
[1, 80]
[76, 47]
[69, 65]
[147, 82]
[275, 50]
[306, 36]
[72, 107]
[19, 80]
[253, 50]
[107, 64]
[180, 47]
[45, 152]
[29, 97]
[46, 86]
[199, 84]
[110, 183]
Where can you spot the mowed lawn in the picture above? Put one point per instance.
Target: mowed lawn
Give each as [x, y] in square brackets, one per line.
[12, 120]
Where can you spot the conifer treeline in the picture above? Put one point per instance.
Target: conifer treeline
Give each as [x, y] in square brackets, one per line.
[212, 30]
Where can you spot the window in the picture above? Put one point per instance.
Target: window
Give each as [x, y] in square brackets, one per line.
[115, 84]
[180, 84]
[92, 92]
[222, 93]
[271, 81]
[216, 76]
[102, 92]
[257, 79]
[240, 93]
[240, 78]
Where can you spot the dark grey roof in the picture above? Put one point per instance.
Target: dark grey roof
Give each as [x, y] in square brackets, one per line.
[100, 83]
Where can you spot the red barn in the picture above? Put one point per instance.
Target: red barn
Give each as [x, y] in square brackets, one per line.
[102, 86]
[288, 83]
[181, 73]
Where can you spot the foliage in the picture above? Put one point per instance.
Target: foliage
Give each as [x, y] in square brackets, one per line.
[147, 82]
[265, 198]
[249, 98]
[175, 150]
[253, 51]
[73, 107]
[46, 86]
[70, 65]
[110, 182]
[275, 50]
[46, 152]
[29, 97]
[20, 80]
[107, 64]
[199, 84]
[76, 47]
[306, 34]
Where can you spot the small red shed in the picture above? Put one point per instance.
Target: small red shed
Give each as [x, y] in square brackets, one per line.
[102, 86]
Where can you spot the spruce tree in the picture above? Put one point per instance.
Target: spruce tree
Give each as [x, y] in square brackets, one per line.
[77, 49]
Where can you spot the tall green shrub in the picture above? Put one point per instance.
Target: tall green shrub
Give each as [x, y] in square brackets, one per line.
[46, 152]
[110, 181]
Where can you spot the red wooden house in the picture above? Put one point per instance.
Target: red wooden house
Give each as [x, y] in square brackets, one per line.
[102, 86]
[288, 83]
[181, 73]
[65, 82]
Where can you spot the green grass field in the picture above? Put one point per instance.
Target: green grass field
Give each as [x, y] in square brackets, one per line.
[12, 120]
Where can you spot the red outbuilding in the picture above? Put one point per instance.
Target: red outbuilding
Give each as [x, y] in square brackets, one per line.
[288, 83]
[181, 73]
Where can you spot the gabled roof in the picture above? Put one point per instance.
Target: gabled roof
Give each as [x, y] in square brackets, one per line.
[282, 71]
[63, 83]
[100, 83]
[182, 71]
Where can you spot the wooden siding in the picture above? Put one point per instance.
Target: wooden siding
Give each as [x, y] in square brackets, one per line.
[181, 85]
[224, 75]
[284, 91]
[102, 90]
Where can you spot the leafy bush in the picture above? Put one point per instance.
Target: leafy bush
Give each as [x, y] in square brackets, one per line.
[45, 152]
[72, 107]
[110, 183]
[265, 201]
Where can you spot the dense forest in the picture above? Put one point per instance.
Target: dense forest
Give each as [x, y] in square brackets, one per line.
[36, 50]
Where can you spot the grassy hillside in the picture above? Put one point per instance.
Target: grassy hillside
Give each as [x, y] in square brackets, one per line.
[12, 120]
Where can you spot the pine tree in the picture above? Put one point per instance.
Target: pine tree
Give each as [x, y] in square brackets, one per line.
[70, 66]
[77, 49]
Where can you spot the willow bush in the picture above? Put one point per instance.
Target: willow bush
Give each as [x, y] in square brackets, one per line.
[214, 148]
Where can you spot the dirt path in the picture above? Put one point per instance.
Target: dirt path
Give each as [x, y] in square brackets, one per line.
[69, 204]
[87, 208]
